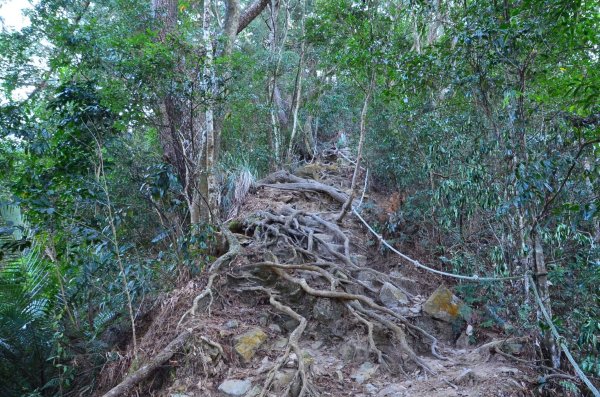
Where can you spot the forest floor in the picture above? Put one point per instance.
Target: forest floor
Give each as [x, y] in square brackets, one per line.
[306, 306]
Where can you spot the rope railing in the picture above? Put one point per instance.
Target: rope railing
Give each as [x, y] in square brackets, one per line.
[561, 341]
[429, 269]
[527, 275]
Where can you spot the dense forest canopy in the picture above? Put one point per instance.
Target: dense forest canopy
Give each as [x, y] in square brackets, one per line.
[128, 128]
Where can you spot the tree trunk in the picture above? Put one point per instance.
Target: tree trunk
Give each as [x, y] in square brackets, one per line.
[297, 88]
[541, 283]
[191, 140]
[361, 140]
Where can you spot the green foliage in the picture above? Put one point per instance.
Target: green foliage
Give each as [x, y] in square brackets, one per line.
[484, 116]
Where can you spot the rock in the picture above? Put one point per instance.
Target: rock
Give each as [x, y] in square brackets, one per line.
[359, 260]
[235, 387]
[247, 343]
[463, 341]
[263, 320]
[513, 347]
[309, 171]
[292, 361]
[255, 391]
[392, 297]
[367, 278]
[469, 330]
[328, 238]
[393, 390]
[280, 343]
[231, 324]
[327, 310]
[364, 372]
[467, 378]
[354, 351]
[443, 305]
[465, 338]
[275, 328]
[265, 365]
[371, 389]
[509, 370]
[284, 378]
[291, 324]
[316, 345]
[307, 358]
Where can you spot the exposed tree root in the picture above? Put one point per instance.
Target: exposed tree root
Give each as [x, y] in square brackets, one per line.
[372, 346]
[306, 388]
[313, 245]
[233, 250]
[312, 253]
[147, 369]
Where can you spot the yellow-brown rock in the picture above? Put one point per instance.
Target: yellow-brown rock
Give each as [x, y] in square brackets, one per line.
[247, 343]
[311, 171]
[443, 305]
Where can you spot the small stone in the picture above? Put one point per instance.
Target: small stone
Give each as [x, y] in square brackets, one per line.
[371, 389]
[263, 320]
[307, 358]
[463, 341]
[393, 390]
[466, 378]
[407, 284]
[316, 345]
[255, 391]
[280, 343]
[327, 310]
[265, 365]
[231, 324]
[283, 378]
[364, 372]
[359, 260]
[353, 351]
[247, 343]
[469, 330]
[513, 347]
[235, 387]
[275, 328]
[325, 237]
[443, 305]
[292, 361]
[291, 324]
[392, 297]
[367, 278]
[508, 370]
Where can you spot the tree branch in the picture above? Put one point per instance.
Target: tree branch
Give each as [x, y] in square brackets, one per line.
[250, 13]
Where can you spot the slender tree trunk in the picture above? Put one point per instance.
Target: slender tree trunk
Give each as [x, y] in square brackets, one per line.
[361, 140]
[209, 81]
[191, 140]
[298, 87]
[541, 283]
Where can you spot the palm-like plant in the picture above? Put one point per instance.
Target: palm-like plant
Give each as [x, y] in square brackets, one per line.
[25, 302]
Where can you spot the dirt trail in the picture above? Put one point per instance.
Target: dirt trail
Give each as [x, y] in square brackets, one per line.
[310, 308]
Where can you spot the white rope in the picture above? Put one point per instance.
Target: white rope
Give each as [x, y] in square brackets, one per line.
[561, 341]
[557, 336]
[420, 265]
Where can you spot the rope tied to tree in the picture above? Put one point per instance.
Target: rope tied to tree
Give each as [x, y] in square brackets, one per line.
[429, 269]
[561, 340]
